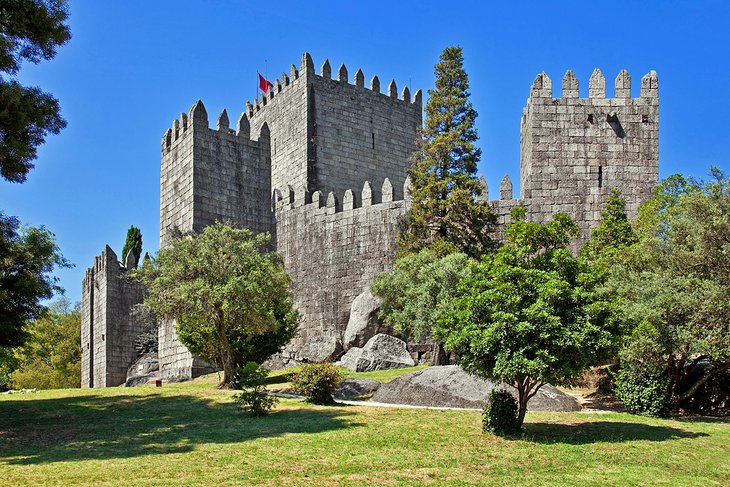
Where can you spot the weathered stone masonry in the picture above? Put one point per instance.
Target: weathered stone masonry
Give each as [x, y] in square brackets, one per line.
[320, 163]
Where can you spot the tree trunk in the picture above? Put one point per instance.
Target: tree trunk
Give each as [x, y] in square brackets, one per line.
[707, 376]
[229, 373]
[522, 399]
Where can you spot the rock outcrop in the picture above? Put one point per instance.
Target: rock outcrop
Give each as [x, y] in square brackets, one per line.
[380, 352]
[451, 386]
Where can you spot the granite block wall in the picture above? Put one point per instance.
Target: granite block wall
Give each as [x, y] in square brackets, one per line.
[332, 248]
[108, 329]
[574, 151]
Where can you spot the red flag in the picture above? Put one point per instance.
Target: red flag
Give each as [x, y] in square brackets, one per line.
[264, 84]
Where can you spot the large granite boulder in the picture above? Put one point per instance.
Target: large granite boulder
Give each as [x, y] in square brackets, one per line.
[320, 348]
[142, 370]
[451, 386]
[364, 322]
[144, 365]
[354, 387]
[380, 352]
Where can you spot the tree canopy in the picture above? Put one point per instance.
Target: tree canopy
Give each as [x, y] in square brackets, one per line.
[51, 357]
[30, 31]
[444, 186]
[27, 259]
[133, 243]
[673, 284]
[419, 290]
[230, 297]
[529, 313]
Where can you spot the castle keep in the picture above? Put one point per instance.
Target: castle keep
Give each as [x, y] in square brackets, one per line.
[320, 163]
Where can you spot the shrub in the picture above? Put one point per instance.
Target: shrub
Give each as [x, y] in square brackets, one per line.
[317, 382]
[645, 394]
[500, 414]
[254, 398]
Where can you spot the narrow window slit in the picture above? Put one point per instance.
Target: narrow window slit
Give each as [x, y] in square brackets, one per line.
[600, 176]
[373, 134]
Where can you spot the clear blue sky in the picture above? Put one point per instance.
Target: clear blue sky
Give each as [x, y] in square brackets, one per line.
[132, 67]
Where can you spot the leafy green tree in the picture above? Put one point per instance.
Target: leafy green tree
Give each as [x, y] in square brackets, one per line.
[30, 30]
[419, 290]
[27, 259]
[674, 284]
[51, 357]
[133, 243]
[613, 234]
[443, 178]
[530, 313]
[231, 299]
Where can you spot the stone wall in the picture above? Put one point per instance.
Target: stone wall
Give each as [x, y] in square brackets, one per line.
[332, 248]
[362, 134]
[108, 329]
[574, 151]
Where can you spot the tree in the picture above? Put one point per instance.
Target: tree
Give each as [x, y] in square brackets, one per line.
[231, 299]
[444, 186]
[613, 234]
[419, 290]
[51, 357]
[133, 243]
[27, 258]
[30, 30]
[529, 314]
[674, 284]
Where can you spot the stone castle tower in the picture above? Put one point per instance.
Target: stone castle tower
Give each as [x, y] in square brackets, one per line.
[320, 163]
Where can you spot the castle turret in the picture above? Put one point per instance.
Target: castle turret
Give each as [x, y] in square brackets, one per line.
[575, 150]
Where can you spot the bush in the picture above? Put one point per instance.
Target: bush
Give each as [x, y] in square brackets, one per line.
[317, 382]
[500, 414]
[644, 394]
[254, 398]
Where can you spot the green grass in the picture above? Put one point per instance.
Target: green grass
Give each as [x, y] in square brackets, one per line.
[191, 434]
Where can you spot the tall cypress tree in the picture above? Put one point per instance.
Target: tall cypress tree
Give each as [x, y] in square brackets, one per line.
[133, 243]
[444, 185]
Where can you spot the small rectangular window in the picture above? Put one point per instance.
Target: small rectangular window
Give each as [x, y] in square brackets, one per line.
[600, 176]
[373, 134]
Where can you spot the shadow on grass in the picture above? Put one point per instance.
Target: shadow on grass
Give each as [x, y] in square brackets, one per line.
[602, 432]
[103, 427]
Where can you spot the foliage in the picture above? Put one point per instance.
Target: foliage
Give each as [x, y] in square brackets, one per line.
[530, 313]
[444, 186]
[230, 297]
[674, 285]
[643, 393]
[27, 259]
[419, 290]
[613, 234]
[51, 357]
[133, 243]
[30, 30]
[254, 398]
[8, 364]
[500, 414]
[317, 382]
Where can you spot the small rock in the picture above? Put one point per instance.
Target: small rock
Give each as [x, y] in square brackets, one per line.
[379, 353]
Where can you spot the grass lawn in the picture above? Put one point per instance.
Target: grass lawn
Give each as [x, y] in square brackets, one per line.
[191, 434]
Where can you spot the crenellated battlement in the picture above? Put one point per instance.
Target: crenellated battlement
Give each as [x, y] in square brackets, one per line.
[542, 86]
[332, 203]
[198, 117]
[307, 72]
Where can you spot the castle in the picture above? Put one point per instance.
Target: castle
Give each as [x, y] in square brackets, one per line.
[320, 163]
